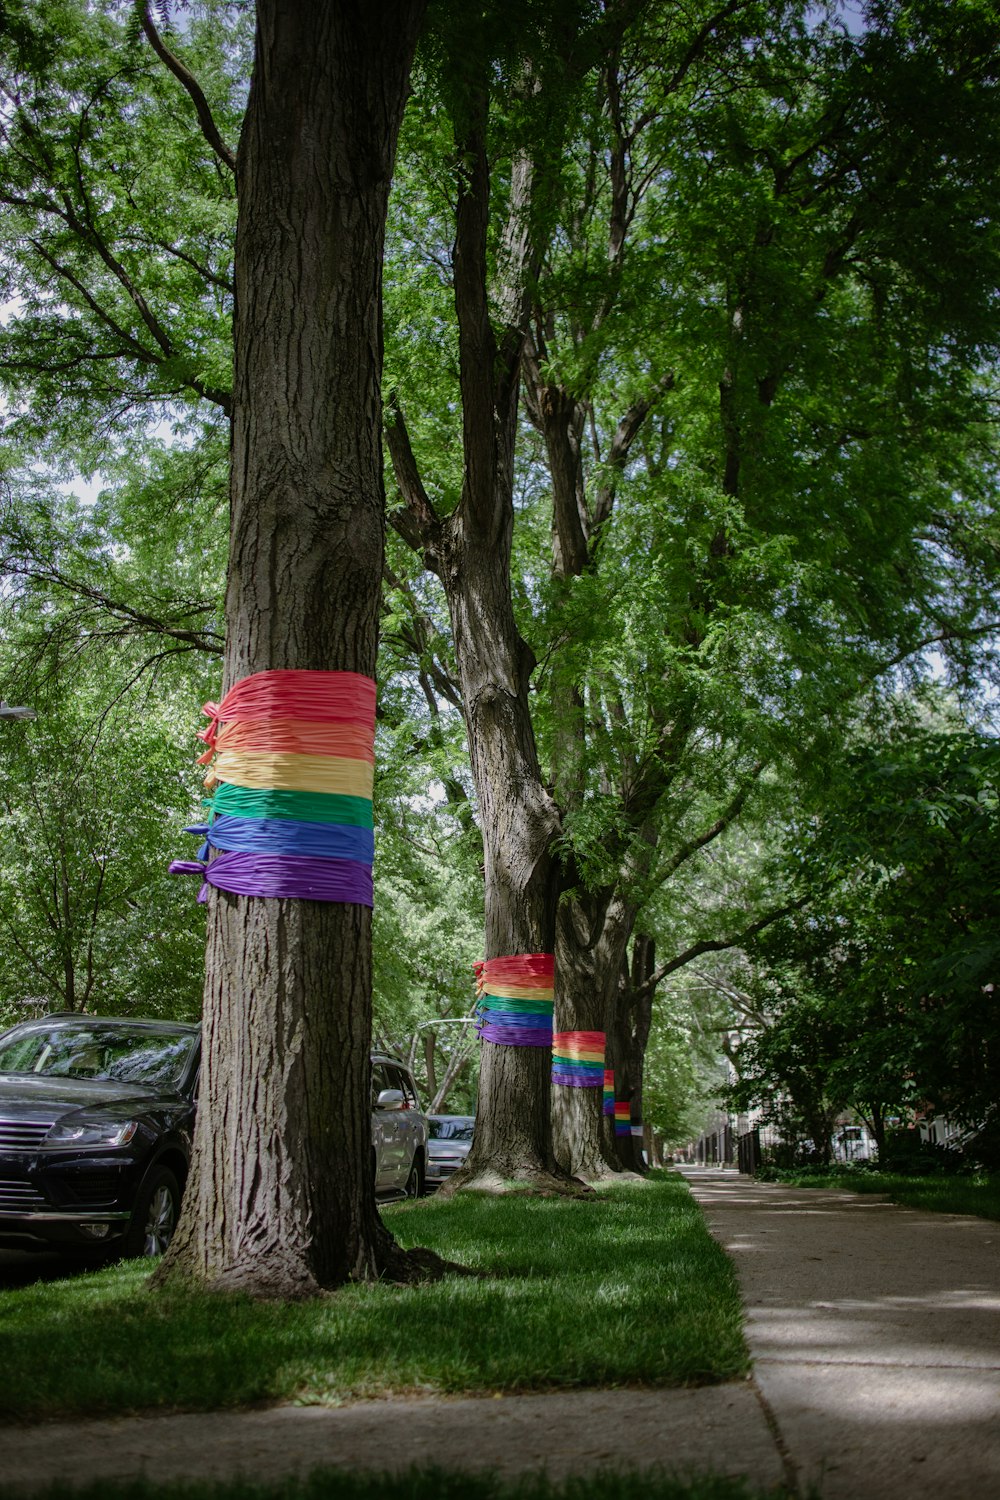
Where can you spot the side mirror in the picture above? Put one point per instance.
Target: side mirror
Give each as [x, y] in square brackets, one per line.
[390, 1099]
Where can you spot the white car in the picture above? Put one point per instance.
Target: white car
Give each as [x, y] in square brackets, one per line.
[448, 1146]
[399, 1130]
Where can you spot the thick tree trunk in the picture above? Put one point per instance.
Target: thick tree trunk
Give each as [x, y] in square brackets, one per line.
[513, 1140]
[592, 934]
[517, 815]
[878, 1123]
[281, 1196]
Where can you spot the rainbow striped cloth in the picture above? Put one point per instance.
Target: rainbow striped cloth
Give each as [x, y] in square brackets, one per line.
[578, 1059]
[609, 1092]
[623, 1123]
[516, 996]
[293, 774]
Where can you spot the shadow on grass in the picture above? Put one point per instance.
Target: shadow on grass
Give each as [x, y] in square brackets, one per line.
[432, 1484]
[626, 1288]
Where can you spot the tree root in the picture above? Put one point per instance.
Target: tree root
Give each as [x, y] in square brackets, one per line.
[412, 1267]
[525, 1183]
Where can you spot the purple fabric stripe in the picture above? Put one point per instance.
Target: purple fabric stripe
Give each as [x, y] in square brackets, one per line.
[515, 1036]
[575, 1080]
[301, 877]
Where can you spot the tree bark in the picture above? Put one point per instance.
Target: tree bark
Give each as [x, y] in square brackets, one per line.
[281, 1196]
[592, 935]
[634, 1016]
[518, 819]
[471, 553]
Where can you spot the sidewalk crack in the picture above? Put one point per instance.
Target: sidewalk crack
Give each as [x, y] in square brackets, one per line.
[788, 1464]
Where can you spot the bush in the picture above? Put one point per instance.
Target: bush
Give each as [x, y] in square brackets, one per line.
[909, 1156]
[810, 1171]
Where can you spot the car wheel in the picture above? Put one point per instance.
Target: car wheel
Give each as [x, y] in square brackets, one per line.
[415, 1182]
[154, 1217]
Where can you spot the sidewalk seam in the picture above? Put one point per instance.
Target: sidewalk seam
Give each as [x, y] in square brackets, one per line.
[867, 1364]
[788, 1464]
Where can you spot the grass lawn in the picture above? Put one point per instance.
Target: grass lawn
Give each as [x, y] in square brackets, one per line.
[427, 1484]
[978, 1195]
[627, 1288]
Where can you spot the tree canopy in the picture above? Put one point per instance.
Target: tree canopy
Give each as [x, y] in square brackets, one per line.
[690, 342]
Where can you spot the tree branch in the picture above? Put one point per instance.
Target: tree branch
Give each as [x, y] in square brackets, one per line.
[202, 640]
[417, 522]
[713, 831]
[718, 945]
[621, 444]
[190, 84]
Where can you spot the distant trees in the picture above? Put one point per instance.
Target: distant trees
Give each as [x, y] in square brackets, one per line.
[91, 799]
[882, 995]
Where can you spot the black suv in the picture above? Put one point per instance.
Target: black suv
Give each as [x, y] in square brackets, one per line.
[95, 1132]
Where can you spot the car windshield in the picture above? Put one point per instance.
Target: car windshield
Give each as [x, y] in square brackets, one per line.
[119, 1054]
[458, 1129]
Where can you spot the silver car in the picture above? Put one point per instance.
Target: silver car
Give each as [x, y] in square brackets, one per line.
[399, 1130]
[450, 1137]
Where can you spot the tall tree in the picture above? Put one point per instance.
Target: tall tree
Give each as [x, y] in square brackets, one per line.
[281, 1197]
[470, 549]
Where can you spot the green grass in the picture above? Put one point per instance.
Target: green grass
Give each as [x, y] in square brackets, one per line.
[626, 1288]
[427, 1484]
[978, 1195]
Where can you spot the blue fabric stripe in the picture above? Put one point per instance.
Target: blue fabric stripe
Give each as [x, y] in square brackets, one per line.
[284, 836]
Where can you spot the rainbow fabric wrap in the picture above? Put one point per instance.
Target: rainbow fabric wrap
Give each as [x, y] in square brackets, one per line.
[623, 1124]
[291, 814]
[609, 1092]
[515, 1000]
[578, 1059]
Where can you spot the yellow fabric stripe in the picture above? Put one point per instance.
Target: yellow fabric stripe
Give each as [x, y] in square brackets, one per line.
[294, 773]
[519, 991]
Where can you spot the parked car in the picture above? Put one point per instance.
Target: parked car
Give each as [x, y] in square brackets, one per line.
[95, 1132]
[399, 1130]
[448, 1146]
[96, 1120]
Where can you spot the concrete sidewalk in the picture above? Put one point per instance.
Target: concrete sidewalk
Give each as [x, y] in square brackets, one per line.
[875, 1332]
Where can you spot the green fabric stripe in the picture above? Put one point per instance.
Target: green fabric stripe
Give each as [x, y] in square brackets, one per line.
[300, 807]
[506, 1003]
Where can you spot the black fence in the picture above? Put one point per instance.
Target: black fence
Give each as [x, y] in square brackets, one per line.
[748, 1153]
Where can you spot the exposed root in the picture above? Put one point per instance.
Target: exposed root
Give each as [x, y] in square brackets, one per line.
[410, 1267]
[528, 1184]
[601, 1171]
[278, 1278]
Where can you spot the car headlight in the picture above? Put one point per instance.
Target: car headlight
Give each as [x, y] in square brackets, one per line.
[91, 1133]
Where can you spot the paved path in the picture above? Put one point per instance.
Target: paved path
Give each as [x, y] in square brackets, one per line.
[875, 1332]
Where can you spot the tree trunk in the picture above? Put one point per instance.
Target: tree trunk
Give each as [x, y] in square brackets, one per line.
[472, 555]
[875, 1119]
[591, 937]
[634, 1017]
[513, 1140]
[281, 1196]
